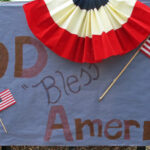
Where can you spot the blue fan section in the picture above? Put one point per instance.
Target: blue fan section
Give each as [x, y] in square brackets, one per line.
[90, 4]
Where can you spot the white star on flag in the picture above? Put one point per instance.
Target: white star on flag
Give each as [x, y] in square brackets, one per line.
[145, 48]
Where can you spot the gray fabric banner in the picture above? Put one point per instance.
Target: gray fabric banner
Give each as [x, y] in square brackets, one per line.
[57, 100]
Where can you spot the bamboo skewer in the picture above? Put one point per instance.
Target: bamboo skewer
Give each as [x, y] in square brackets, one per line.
[123, 70]
[3, 125]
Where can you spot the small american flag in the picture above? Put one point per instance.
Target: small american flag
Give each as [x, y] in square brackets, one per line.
[7, 99]
[145, 48]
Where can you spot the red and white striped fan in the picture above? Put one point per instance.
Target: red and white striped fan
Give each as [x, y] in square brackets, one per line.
[89, 30]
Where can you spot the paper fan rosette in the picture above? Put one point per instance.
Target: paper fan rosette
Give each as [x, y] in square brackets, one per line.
[89, 30]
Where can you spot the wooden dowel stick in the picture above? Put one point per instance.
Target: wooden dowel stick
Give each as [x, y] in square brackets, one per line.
[3, 125]
[123, 70]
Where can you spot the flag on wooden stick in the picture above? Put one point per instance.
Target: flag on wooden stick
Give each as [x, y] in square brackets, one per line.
[145, 48]
[7, 99]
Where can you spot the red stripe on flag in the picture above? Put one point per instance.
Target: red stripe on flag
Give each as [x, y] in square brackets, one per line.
[4, 92]
[146, 48]
[6, 102]
[7, 95]
[7, 107]
[147, 43]
[5, 98]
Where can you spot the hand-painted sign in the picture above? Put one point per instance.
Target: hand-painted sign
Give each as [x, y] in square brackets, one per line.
[57, 100]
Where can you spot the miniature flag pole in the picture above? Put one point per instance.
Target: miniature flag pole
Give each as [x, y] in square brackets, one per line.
[122, 71]
[3, 125]
[119, 75]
